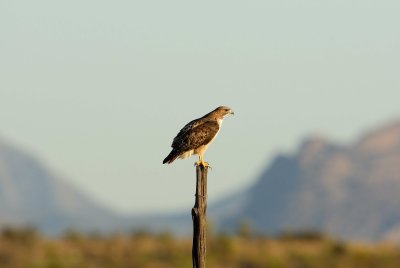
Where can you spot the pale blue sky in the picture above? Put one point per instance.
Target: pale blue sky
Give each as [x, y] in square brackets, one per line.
[98, 89]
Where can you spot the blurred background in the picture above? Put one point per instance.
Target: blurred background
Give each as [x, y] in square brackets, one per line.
[93, 92]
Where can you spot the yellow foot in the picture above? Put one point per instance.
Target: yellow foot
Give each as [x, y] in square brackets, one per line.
[202, 163]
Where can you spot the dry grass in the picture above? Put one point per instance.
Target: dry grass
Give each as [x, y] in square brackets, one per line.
[26, 249]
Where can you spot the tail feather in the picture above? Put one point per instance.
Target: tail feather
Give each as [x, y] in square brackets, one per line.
[171, 157]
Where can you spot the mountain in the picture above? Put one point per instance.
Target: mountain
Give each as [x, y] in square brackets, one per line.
[351, 192]
[30, 194]
[348, 191]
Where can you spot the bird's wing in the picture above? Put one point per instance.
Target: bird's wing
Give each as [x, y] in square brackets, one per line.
[195, 134]
[189, 126]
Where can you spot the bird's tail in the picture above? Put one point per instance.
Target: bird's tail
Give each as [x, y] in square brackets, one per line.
[171, 157]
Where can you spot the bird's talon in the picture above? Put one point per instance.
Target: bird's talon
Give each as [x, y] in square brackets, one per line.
[202, 163]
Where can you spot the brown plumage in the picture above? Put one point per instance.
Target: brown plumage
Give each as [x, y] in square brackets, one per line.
[195, 137]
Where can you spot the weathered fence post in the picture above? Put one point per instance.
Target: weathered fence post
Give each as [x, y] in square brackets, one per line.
[199, 218]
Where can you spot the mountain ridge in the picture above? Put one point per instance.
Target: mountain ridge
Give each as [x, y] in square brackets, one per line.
[350, 191]
[31, 194]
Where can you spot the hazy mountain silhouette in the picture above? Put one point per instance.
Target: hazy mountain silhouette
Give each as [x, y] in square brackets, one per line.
[349, 191]
[30, 194]
[352, 191]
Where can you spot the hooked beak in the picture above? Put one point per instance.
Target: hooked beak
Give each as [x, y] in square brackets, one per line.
[231, 112]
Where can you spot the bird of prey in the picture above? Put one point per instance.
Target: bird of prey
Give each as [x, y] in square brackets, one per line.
[197, 135]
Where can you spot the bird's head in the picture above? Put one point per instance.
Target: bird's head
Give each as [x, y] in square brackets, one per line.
[222, 111]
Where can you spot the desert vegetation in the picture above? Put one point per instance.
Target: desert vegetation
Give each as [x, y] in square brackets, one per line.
[27, 248]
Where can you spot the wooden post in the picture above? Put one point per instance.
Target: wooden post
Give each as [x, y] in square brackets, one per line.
[199, 218]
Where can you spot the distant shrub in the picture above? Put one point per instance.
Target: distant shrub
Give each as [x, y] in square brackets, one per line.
[338, 248]
[303, 235]
[245, 229]
[73, 235]
[141, 233]
[22, 235]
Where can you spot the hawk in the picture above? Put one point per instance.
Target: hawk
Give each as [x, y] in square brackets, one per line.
[197, 135]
